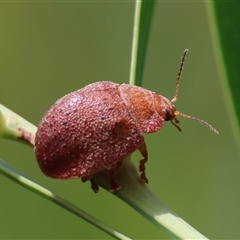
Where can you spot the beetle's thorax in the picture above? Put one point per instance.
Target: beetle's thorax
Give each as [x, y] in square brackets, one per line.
[148, 110]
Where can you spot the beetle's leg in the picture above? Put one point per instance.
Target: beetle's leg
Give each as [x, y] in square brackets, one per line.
[112, 173]
[143, 150]
[94, 185]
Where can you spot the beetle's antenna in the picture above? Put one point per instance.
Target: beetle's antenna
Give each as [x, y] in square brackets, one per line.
[179, 75]
[174, 121]
[176, 113]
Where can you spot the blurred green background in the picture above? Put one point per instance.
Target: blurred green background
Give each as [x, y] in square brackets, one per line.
[49, 49]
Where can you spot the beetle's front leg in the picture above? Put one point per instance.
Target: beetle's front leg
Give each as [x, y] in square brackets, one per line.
[143, 150]
[94, 185]
[112, 173]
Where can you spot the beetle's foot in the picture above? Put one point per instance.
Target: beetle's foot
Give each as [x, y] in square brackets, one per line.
[143, 176]
[142, 169]
[112, 173]
[114, 186]
[94, 185]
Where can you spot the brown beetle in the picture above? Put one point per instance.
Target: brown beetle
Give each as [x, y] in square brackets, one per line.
[98, 126]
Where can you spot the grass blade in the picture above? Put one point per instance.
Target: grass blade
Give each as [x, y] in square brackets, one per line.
[224, 25]
[142, 21]
[17, 177]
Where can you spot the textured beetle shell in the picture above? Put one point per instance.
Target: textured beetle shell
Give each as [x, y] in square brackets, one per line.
[86, 131]
[93, 128]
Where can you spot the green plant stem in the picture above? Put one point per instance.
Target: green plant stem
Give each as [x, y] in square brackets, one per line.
[137, 194]
[14, 127]
[142, 22]
[133, 64]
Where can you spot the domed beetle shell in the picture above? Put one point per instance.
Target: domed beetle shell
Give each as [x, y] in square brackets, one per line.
[98, 126]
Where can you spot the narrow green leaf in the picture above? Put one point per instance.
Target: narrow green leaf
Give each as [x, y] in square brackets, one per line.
[17, 177]
[142, 22]
[224, 22]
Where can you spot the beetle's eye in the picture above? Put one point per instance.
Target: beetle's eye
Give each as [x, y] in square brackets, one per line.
[167, 114]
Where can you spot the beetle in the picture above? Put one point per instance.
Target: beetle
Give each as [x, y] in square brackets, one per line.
[98, 126]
